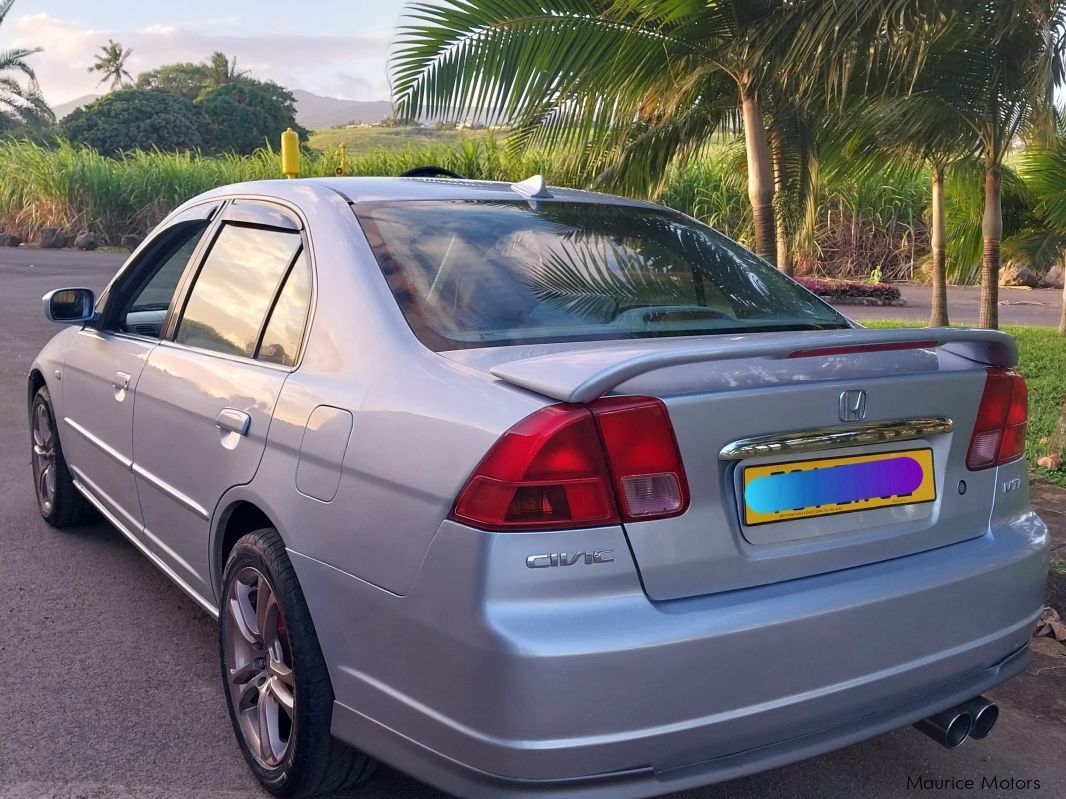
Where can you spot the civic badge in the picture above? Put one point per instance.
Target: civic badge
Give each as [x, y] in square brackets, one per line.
[853, 406]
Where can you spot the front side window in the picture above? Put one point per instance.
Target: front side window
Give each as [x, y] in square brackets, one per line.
[235, 289]
[489, 273]
[155, 283]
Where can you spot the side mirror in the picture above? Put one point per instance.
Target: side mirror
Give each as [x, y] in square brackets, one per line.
[70, 306]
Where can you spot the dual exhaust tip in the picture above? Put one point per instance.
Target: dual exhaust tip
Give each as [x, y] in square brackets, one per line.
[972, 719]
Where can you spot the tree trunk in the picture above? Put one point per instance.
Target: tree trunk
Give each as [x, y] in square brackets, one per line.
[781, 210]
[938, 316]
[1062, 318]
[992, 228]
[760, 177]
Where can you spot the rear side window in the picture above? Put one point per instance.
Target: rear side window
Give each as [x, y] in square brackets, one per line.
[281, 339]
[235, 289]
[491, 273]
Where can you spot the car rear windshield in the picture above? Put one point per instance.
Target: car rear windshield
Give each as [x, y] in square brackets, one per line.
[488, 273]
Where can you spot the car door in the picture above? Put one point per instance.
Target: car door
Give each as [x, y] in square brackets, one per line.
[207, 392]
[105, 361]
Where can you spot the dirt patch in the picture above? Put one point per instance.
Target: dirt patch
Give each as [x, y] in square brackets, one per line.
[1050, 502]
[1040, 691]
[1056, 593]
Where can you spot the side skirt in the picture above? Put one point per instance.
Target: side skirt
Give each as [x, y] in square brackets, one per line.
[159, 564]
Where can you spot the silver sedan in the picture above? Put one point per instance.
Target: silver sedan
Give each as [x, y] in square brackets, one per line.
[531, 491]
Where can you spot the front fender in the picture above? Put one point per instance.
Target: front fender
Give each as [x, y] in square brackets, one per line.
[47, 369]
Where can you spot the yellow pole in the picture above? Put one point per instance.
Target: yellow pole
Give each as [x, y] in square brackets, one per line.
[290, 154]
[343, 152]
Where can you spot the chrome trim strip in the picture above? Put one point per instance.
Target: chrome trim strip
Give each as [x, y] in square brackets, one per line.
[171, 553]
[109, 501]
[159, 564]
[187, 502]
[99, 444]
[835, 437]
[176, 345]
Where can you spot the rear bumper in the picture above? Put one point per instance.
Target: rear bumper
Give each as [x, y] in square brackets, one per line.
[493, 680]
[463, 780]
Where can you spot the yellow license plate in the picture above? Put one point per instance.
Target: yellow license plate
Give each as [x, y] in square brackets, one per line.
[802, 489]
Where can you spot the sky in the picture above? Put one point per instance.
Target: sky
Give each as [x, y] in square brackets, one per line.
[338, 48]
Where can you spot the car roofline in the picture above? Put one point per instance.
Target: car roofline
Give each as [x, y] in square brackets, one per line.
[357, 190]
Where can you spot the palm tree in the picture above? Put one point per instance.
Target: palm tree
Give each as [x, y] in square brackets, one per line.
[913, 130]
[633, 86]
[637, 85]
[995, 74]
[221, 70]
[110, 62]
[1044, 172]
[22, 103]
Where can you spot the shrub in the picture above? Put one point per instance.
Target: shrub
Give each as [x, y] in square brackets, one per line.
[136, 119]
[840, 289]
[246, 114]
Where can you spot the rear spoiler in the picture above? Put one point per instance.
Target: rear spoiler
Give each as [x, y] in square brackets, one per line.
[584, 375]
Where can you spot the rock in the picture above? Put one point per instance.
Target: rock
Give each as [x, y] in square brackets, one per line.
[1050, 462]
[10, 240]
[85, 241]
[131, 241]
[1027, 278]
[1054, 277]
[1014, 275]
[51, 238]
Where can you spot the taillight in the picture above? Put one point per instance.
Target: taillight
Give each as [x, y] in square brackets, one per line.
[565, 465]
[642, 453]
[547, 471]
[999, 432]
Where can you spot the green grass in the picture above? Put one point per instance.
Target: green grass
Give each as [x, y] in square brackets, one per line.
[76, 188]
[1042, 361]
[361, 140]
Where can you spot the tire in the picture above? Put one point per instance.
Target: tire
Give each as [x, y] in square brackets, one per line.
[60, 503]
[271, 664]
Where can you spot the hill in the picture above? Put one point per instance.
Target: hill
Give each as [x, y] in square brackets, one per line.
[63, 109]
[317, 112]
[313, 111]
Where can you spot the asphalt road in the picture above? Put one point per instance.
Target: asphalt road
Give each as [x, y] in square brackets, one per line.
[108, 673]
[1017, 306]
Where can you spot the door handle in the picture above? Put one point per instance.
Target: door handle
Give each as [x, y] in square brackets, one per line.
[120, 383]
[234, 421]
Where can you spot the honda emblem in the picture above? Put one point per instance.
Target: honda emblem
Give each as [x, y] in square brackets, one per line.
[853, 406]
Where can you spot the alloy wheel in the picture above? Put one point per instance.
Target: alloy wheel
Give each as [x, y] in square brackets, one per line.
[259, 667]
[44, 458]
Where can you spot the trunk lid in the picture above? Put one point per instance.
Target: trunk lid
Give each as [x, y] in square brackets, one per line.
[748, 402]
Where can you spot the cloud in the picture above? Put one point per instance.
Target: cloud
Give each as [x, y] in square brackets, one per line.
[351, 67]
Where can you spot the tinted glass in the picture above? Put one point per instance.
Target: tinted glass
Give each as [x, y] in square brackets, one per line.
[146, 310]
[477, 274]
[235, 287]
[281, 339]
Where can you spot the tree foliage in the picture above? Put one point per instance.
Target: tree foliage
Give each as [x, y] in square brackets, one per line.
[21, 103]
[238, 116]
[110, 62]
[245, 114]
[186, 79]
[190, 80]
[136, 119]
[639, 86]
